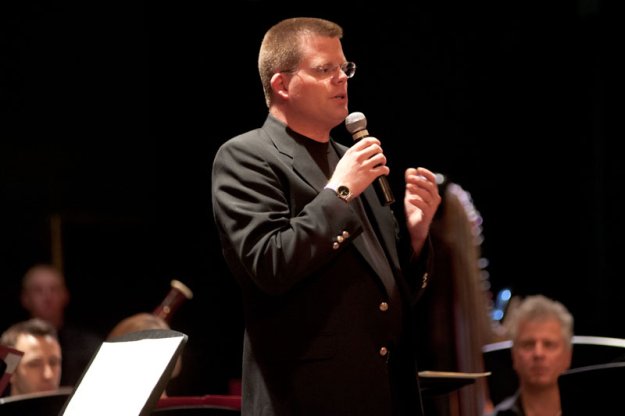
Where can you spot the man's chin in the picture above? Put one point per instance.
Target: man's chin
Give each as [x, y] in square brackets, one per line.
[542, 381]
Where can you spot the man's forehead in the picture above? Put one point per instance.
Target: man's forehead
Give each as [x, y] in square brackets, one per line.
[30, 339]
[544, 328]
[546, 321]
[44, 277]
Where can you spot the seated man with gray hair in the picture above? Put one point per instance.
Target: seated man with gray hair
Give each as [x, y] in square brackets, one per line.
[541, 330]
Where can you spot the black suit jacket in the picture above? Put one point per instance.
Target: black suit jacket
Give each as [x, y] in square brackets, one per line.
[323, 334]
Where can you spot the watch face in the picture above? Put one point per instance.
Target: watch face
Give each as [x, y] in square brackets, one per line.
[343, 191]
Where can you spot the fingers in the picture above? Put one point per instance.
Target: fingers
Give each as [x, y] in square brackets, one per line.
[369, 154]
[361, 165]
[413, 174]
[421, 178]
[421, 187]
[367, 148]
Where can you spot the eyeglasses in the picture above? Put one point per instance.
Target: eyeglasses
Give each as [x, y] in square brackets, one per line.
[348, 68]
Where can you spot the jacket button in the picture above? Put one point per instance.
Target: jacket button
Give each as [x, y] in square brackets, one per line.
[383, 306]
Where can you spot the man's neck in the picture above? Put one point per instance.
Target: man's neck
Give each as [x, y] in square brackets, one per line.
[56, 321]
[543, 402]
[301, 126]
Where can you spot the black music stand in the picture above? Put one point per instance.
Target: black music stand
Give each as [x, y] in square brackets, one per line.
[127, 375]
[207, 405]
[593, 390]
[503, 381]
[40, 404]
[199, 410]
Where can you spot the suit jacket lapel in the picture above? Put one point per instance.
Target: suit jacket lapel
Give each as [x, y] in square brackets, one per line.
[305, 167]
[303, 164]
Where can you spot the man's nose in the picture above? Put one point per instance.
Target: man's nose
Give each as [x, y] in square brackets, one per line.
[48, 371]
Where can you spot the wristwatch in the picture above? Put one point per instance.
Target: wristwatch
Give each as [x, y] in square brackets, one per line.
[341, 191]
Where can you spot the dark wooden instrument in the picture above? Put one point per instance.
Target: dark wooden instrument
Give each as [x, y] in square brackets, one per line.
[177, 295]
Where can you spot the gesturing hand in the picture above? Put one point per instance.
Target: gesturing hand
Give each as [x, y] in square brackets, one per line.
[421, 201]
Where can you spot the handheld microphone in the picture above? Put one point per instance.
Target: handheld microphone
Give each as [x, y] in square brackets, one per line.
[356, 124]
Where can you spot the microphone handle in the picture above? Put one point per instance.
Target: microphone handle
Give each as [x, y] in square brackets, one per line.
[382, 186]
[384, 190]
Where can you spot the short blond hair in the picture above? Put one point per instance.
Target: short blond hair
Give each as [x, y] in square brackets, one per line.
[280, 49]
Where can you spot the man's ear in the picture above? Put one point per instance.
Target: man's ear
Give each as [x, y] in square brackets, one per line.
[280, 85]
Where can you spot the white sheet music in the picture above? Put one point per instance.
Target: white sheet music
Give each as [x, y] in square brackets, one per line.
[122, 377]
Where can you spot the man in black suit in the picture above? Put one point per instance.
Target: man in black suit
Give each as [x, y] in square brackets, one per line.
[326, 289]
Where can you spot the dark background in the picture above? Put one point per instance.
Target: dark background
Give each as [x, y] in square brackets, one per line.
[111, 113]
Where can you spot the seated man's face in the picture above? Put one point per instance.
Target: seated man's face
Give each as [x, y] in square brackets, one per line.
[39, 369]
[45, 296]
[540, 353]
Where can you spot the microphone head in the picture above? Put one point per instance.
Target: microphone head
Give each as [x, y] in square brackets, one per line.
[355, 122]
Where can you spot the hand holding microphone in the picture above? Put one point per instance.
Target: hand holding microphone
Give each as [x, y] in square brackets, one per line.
[356, 124]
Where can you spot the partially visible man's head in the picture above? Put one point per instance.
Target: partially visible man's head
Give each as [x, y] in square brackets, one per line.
[542, 341]
[139, 322]
[44, 294]
[39, 369]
